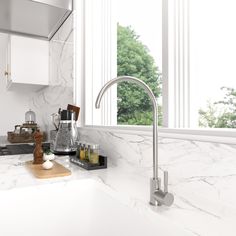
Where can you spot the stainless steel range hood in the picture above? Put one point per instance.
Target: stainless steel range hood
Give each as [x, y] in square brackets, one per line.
[34, 18]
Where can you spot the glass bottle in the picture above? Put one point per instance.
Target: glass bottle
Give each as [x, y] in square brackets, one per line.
[94, 153]
[64, 142]
[82, 151]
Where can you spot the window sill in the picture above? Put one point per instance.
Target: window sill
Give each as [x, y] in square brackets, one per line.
[224, 136]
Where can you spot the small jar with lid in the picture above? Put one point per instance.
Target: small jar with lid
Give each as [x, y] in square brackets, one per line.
[93, 153]
[30, 117]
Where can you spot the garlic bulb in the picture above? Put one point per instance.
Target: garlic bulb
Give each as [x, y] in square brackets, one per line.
[47, 165]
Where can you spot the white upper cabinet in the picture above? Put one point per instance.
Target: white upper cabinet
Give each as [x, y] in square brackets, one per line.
[27, 64]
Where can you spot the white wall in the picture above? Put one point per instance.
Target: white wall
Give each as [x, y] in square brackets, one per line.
[13, 105]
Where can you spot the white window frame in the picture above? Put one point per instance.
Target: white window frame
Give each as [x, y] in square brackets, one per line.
[96, 53]
[175, 65]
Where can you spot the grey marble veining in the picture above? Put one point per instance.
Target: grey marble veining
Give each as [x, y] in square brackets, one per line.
[202, 176]
[201, 195]
[59, 93]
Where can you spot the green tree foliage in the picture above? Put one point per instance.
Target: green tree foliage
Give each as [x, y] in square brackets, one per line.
[221, 114]
[134, 59]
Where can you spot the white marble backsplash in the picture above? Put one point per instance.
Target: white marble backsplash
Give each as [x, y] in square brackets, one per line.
[59, 93]
[136, 150]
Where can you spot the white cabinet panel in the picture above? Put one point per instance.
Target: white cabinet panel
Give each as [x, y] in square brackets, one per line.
[27, 63]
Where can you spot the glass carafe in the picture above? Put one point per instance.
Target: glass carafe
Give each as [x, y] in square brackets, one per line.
[65, 138]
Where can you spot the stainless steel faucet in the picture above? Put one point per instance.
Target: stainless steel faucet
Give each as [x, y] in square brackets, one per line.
[157, 196]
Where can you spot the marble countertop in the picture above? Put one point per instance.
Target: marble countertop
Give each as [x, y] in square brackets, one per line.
[204, 197]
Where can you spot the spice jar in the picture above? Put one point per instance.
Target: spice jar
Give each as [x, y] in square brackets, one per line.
[78, 150]
[81, 151]
[94, 153]
[86, 149]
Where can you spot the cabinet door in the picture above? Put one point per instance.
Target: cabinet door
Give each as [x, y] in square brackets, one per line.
[29, 60]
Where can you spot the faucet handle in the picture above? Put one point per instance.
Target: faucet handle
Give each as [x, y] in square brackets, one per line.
[165, 181]
[158, 196]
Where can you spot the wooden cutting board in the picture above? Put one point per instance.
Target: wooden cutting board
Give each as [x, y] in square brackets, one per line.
[57, 170]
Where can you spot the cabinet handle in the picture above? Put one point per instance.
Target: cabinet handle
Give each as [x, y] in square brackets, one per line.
[6, 73]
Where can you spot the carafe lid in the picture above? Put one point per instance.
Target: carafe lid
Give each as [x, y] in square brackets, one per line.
[66, 115]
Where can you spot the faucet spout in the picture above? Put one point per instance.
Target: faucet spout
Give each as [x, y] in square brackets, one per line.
[157, 196]
[154, 108]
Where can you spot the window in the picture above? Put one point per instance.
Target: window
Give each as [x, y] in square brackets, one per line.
[139, 54]
[213, 56]
[118, 43]
[195, 61]
[201, 72]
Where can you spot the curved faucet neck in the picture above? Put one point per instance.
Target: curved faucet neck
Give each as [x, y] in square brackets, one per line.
[154, 107]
